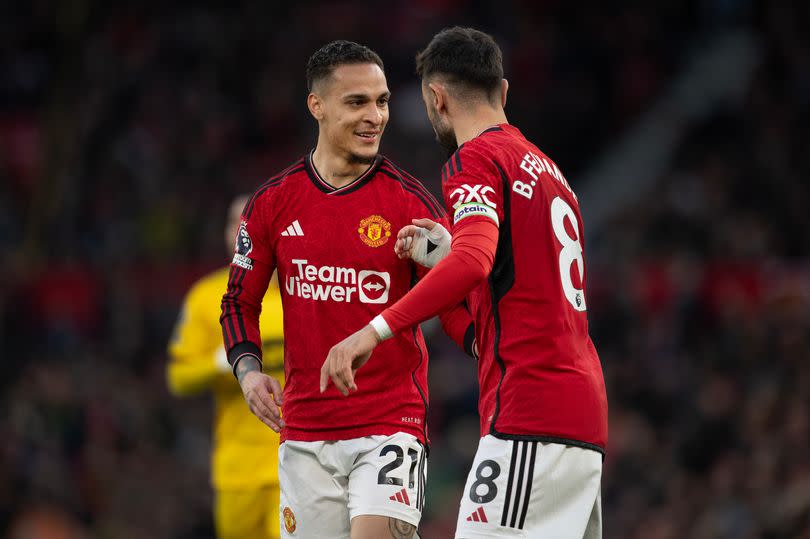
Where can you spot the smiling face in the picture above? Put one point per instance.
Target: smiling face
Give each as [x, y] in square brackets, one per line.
[351, 106]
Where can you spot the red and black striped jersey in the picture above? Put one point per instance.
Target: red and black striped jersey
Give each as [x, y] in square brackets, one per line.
[334, 253]
[539, 373]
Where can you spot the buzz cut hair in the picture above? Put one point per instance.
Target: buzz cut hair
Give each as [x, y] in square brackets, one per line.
[466, 58]
[336, 53]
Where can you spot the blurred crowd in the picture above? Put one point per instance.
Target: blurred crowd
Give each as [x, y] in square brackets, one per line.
[125, 131]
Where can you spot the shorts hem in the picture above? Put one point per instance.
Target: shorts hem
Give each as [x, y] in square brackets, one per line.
[386, 512]
[466, 534]
[294, 435]
[548, 440]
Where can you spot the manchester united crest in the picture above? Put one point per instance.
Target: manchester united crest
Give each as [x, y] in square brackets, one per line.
[374, 231]
[289, 519]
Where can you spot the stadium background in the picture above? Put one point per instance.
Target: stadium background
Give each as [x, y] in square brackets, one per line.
[683, 125]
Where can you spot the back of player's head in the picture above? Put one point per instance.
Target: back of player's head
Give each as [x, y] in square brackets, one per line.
[337, 53]
[467, 58]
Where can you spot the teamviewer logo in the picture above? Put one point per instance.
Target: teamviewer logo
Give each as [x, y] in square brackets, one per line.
[373, 286]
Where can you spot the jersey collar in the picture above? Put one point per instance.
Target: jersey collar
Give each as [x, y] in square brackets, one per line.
[354, 185]
[490, 129]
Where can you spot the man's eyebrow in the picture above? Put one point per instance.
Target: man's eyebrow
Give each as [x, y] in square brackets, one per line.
[356, 96]
[365, 97]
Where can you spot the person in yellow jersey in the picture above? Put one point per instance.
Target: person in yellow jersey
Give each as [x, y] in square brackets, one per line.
[244, 461]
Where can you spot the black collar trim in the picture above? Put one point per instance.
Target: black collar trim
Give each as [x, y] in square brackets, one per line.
[354, 185]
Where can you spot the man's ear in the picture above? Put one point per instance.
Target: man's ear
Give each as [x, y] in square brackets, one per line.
[315, 106]
[438, 94]
[504, 90]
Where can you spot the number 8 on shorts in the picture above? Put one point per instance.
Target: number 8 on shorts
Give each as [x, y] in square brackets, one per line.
[530, 488]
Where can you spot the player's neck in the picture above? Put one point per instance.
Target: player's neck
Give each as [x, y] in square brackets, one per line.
[467, 126]
[336, 169]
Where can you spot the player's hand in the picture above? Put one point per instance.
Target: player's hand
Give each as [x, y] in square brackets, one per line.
[346, 357]
[263, 394]
[425, 242]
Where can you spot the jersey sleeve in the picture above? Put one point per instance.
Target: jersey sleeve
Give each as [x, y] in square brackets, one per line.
[251, 268]
[470, 260]
[456, 321]
[473, 193]
[473, 188]
[192, 349]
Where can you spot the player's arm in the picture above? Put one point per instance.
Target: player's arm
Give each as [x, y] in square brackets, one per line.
[456, 321]
[470, 260]
[193, 365]
[427, 242]
[250, 273]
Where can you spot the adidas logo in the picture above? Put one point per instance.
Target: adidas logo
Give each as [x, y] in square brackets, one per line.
[478, 516]
[293, 230]
[401, 497]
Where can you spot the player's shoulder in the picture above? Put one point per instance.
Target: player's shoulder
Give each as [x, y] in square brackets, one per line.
[410, 186]
[476, 155]
[276, 183]
[395, 172]
[488, 153]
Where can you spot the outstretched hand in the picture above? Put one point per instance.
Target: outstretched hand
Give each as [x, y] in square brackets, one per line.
[346, 357]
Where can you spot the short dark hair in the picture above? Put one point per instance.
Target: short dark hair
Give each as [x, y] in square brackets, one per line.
[337, 53]
[465, 57]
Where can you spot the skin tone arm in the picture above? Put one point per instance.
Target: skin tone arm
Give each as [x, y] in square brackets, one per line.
[263, 393]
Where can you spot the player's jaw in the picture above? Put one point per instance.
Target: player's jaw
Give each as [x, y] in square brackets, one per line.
[445, 135]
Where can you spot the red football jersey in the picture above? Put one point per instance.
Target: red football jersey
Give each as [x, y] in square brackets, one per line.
[539, 373]
[334, 252]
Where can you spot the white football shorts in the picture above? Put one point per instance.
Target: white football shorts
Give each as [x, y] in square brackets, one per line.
[324, 485]
[531, 489]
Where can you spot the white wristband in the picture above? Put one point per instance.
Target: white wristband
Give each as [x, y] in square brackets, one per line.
[381, 327]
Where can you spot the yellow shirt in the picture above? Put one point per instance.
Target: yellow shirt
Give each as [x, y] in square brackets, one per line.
[245, 450]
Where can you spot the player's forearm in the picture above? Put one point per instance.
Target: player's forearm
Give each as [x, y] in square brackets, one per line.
[241, 307]
[447, 284]
[468, 263]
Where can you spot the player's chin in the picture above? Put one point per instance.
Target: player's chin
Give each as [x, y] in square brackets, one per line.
[364, 153]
